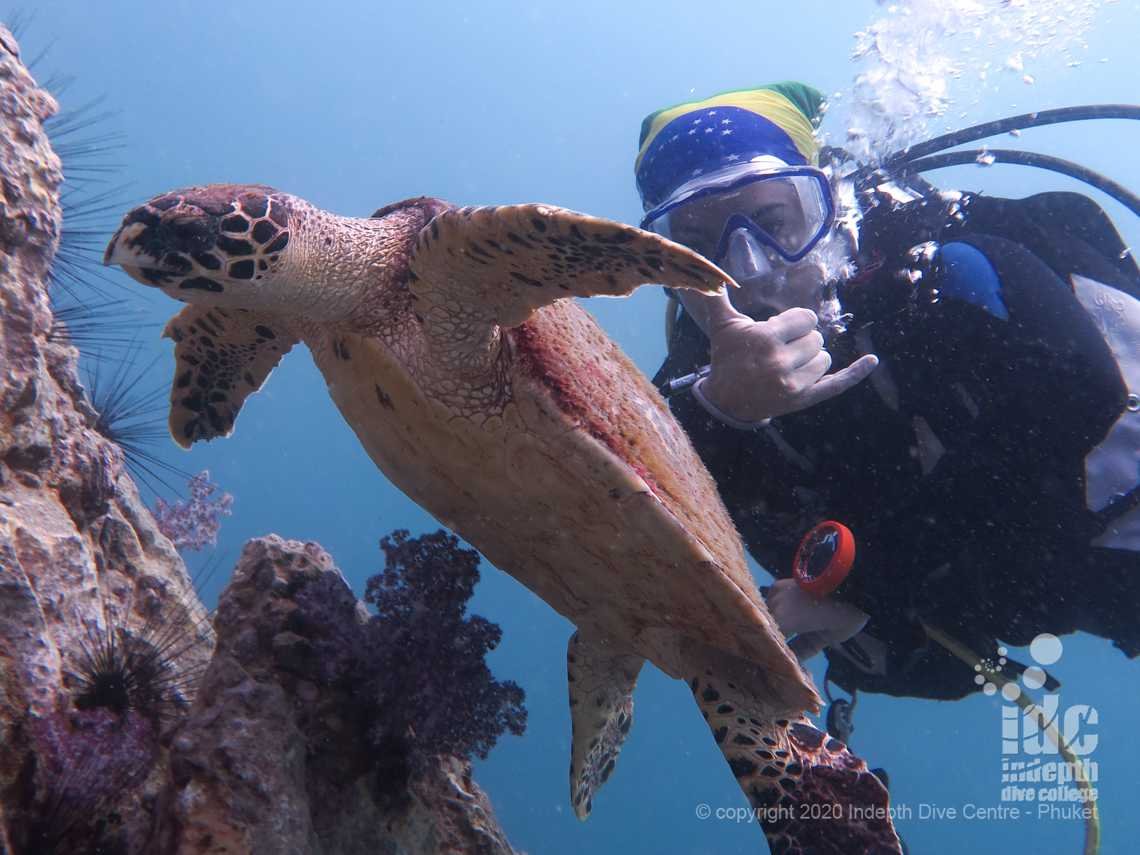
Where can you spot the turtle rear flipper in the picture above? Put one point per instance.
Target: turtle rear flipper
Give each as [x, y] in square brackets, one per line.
[222, 356]
[498, 264]
[601, 681]
[808, 792]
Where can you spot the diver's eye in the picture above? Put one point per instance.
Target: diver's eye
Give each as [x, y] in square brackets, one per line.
[695, 237]
[770, 219]
[687, 236]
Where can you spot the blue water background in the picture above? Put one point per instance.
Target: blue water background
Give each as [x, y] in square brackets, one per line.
[356, 104]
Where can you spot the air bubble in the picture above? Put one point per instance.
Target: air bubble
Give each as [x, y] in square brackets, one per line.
[925, 60]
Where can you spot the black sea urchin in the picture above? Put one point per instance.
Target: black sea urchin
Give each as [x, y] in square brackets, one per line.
[140, 669]
[131, 412]
[101, 329]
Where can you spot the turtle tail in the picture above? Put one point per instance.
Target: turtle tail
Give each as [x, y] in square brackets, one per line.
[808, 791]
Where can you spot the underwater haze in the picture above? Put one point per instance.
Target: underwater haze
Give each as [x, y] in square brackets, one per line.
[353, 105]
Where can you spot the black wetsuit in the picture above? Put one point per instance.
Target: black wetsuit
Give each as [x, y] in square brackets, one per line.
[960, 466]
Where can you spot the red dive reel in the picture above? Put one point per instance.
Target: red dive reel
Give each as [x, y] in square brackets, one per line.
[824, 558]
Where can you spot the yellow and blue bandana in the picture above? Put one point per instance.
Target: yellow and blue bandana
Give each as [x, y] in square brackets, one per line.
[688, 140]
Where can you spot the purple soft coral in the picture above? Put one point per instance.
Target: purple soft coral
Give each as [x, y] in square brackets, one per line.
[194, 523]
[416, 668]
[85, 762]
[435, 683]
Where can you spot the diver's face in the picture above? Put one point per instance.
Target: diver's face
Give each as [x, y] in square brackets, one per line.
[773, 206]
[768, 283]
[785, 286]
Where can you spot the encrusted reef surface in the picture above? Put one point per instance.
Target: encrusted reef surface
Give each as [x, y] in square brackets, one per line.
[295, 775]
[131, 720]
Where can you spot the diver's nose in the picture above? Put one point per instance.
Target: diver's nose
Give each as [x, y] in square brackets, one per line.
[745, 258]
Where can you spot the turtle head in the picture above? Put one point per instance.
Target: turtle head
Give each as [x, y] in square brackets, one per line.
[223, 244]
[252, 247]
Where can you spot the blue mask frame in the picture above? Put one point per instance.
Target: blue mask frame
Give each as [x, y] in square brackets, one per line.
[742, 221]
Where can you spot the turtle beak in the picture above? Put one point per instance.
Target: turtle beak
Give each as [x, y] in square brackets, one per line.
[125, 251]
[119, 252]
[152, 247]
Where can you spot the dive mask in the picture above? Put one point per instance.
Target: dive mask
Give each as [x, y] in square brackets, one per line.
[786, 210]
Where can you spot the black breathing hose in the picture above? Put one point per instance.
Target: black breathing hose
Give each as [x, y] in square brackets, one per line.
[914, 159]
[1013, 123]
[1027, 158]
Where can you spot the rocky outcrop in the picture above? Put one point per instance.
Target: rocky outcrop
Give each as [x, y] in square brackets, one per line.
[264, 756]
[296, 776]
[80, 557]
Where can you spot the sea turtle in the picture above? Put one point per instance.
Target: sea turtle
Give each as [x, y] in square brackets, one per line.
[502, 408]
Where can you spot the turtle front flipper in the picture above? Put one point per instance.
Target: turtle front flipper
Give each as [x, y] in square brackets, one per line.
[809, 793]
[499, 264]
[601, 711]
[222, 356]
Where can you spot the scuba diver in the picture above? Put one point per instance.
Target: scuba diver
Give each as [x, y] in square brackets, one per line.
[952, 379]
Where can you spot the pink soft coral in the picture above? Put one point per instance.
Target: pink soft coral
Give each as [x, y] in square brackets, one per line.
[194, 523]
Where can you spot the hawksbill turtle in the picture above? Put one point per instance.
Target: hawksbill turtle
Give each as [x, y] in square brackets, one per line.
[502, 408]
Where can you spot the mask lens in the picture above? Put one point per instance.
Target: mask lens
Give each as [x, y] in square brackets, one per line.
[788, 212]
[692, 226]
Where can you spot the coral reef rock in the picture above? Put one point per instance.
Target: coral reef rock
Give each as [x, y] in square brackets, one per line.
[273, 758]
[260, 759]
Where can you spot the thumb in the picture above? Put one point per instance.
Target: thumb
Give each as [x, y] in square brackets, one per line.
[719, 309]
[711, 312]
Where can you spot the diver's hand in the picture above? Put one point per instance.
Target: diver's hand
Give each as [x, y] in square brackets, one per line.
[762, 369]
[813, 623]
